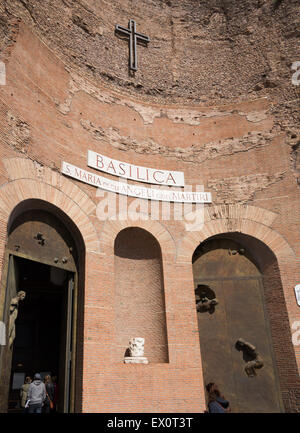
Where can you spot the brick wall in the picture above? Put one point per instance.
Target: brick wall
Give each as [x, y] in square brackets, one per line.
[236, 148]
[281, 337]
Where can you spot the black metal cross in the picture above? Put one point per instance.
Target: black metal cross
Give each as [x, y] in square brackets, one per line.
[134, 37]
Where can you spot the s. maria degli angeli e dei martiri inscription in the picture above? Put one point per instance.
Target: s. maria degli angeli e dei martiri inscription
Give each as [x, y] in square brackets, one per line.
[128, 171]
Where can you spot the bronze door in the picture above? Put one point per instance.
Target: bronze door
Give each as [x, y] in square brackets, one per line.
[240, 313]
[67, 343]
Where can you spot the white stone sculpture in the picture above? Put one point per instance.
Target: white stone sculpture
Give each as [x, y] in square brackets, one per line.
[136, 346]
[136, 350]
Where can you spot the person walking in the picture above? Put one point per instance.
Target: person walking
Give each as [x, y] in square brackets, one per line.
[23, 393]
[216, 402]
[48, 406]
[36, 395]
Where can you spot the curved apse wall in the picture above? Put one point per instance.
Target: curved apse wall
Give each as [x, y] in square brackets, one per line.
[199, 51]
[139, 293]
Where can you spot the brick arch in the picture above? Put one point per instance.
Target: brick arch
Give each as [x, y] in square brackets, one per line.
[249, 220]
[278, 268]
[30, 181]
[112, 227]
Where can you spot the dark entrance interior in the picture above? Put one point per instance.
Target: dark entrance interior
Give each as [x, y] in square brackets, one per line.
[40, 326]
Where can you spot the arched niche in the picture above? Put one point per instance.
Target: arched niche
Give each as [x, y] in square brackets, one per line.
[139, 293]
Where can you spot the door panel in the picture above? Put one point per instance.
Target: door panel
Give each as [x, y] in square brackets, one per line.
[240, 313]
[246, 319]
[213, 335]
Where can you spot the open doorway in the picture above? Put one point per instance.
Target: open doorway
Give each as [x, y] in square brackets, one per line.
[40, 328]
[44, 257]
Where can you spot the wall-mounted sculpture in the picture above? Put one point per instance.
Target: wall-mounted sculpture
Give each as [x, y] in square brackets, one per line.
[251, 356]
[205, 304]
[13, 314]
[205, 299]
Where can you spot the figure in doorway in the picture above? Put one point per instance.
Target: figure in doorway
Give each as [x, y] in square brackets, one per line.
[216, 402]
[23, 393]
[13, 314]
[36, 395]
[48, 406]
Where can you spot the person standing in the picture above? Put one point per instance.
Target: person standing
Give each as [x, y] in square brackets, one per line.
[49, 394]
[36, 394]
[23, 393]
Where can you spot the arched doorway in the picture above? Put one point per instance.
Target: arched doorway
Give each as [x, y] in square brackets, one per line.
[44, 257]
[234, 330]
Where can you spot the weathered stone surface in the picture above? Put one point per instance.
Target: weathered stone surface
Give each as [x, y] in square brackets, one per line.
[18, 135]
[192, 56]
[193, 154]
[243, 188]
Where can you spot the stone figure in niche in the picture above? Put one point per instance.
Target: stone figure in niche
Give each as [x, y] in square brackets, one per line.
[251, 356]
[205, 299]
[136, 346]
[13, 314]
[135, 352]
